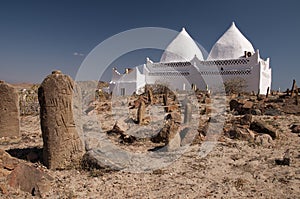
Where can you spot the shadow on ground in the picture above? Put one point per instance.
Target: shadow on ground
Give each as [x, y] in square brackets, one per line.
[34, 154]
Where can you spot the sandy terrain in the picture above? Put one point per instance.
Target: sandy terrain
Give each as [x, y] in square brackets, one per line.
[234, 169]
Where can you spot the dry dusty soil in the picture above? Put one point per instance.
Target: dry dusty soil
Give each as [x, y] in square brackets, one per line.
[233, 169]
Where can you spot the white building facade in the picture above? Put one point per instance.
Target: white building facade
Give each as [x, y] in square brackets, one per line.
[182, 66]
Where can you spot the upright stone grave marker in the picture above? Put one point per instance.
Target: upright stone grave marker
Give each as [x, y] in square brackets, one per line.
[9, 111]
[63, 147]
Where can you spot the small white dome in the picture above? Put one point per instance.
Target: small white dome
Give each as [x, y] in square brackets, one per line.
[231, 45]
[182, 48]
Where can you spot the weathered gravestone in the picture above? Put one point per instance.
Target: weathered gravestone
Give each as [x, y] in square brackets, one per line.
[165, 101]
[188, 113]
[63, 147]
[150, 95]
[169, 134]
[9, 111]
[141, 112]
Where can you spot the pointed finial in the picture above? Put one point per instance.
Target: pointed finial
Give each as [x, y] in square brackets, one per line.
[183, 29]
[148, 60]
[56, 72]
[233, 24]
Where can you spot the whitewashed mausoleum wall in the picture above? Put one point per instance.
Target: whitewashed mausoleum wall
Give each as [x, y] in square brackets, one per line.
[182, 66]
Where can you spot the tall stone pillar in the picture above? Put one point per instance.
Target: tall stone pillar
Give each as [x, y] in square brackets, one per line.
[9, 111]
[150, 95]
[63, 147]
[141, 112]
[165, 100]
[187, 113]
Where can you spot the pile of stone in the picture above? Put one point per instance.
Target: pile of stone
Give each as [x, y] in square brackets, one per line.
[29, 104]
[273, 104]
[253, 130]
[60, 106]
[118, 130]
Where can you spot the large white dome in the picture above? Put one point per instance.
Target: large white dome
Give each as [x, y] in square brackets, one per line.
[231, 45]
[182, 48]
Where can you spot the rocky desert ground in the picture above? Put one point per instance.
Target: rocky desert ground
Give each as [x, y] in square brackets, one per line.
[256, 153]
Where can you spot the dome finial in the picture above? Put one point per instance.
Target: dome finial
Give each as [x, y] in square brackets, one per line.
[175, 51]
[231, 45]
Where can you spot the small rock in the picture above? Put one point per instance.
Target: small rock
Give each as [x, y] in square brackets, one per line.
[208, 110]
[286, 159]
[264, 140]
[295, 128]
[90, 109]
[91, 143]
[240, 134]
[27, 178]
[158, 172]
[188, 135]
[272, 112]
[262, 127]
[8, 162]
[234, 105]
[136, 103]
[95, 159]
[176, 117]
[127, 138]
[147, 120]
[174, 143]
[119, 127]
[216, 119]
[248, 105]
[43, 186]
[3, 189]
[255, 112]
[246, 119]
[169, 130]
[172, 108]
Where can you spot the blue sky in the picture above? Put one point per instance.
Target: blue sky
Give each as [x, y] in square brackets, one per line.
[37, 37]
